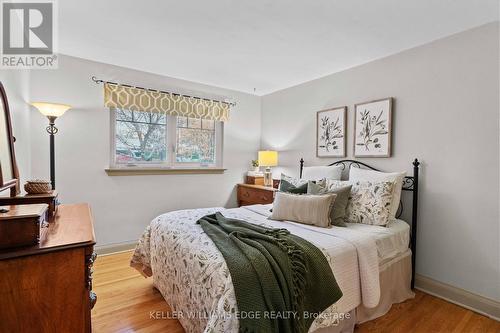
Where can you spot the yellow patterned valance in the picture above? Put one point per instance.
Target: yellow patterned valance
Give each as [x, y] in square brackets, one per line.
[137, 99]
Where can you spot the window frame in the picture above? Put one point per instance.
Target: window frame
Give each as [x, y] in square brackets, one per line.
[171, 143]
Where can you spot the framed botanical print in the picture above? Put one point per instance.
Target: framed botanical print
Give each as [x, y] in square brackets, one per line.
[372, 128]
[331, 132]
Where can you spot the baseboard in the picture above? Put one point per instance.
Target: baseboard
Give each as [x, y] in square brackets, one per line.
[115, 248]
[464, 298]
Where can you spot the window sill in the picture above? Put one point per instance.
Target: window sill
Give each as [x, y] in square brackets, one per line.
[161, 171]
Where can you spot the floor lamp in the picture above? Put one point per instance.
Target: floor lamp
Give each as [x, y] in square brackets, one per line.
[52, 111]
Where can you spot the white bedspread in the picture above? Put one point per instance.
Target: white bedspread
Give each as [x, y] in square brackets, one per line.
[192, 275]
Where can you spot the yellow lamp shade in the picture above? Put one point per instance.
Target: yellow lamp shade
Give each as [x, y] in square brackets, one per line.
[51, 109]
[268, 158]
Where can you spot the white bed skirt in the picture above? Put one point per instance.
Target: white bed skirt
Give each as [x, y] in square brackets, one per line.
[395, 287]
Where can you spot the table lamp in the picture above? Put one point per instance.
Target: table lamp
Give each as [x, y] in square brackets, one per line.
[51, 111]
[268, 159]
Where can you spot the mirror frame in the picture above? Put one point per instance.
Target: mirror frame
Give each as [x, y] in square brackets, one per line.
[12, 184]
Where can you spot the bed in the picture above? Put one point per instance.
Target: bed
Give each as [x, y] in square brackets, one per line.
[372, 265]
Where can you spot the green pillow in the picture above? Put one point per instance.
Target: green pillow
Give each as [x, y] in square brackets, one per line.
[339, 205]
[286, 186]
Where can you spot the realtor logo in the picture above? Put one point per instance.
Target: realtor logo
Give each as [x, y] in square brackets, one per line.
[28, 30]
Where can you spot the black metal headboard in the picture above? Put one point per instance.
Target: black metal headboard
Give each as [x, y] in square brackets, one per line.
[410, 183]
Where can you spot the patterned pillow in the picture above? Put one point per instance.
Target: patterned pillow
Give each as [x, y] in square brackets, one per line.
[396, 177]
[369, 202]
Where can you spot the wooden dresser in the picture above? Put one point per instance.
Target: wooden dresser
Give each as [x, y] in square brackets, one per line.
[48, 287]
[255, 194]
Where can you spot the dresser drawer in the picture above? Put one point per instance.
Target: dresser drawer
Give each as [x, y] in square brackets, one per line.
[253, 196]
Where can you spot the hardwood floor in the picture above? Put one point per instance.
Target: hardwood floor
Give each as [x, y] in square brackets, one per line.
[126, 300]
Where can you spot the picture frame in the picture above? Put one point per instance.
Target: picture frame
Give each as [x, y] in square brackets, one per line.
[373, 128]
[331, 132]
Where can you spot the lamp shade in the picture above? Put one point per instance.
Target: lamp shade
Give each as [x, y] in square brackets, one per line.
[51, 109]
[268, 158]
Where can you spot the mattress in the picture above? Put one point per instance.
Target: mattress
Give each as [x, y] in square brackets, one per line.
[391, 241]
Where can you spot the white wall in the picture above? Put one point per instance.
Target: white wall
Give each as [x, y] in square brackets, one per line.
[446, 113]
[16, 84]
[123, 206]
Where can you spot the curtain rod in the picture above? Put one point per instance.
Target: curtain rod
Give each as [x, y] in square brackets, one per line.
[97, 81]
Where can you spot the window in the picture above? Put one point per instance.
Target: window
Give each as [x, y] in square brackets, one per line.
[195, 141]
[141, 137]
[153, 139]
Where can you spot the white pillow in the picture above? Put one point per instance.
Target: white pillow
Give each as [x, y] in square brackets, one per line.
[397, 178]
[320, 172]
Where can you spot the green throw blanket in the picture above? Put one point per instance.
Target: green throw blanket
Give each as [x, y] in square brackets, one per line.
[281, 281]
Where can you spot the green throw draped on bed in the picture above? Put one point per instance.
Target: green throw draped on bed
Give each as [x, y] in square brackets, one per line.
[279, 279]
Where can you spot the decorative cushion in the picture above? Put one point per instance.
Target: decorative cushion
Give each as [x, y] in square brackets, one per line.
[289, 188]
[320, 172]
[306, 209]
[371, 175]
[338, 211]
[292, 185]
[369, 202]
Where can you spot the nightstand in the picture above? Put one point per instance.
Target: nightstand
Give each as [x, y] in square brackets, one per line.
[255, 194]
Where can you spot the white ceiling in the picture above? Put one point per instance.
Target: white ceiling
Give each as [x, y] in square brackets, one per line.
[263, 44]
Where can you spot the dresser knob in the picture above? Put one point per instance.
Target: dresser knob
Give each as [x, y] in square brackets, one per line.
[90, 261]
[93, 299]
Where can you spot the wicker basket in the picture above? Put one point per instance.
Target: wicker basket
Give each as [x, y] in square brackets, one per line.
[37, 186]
